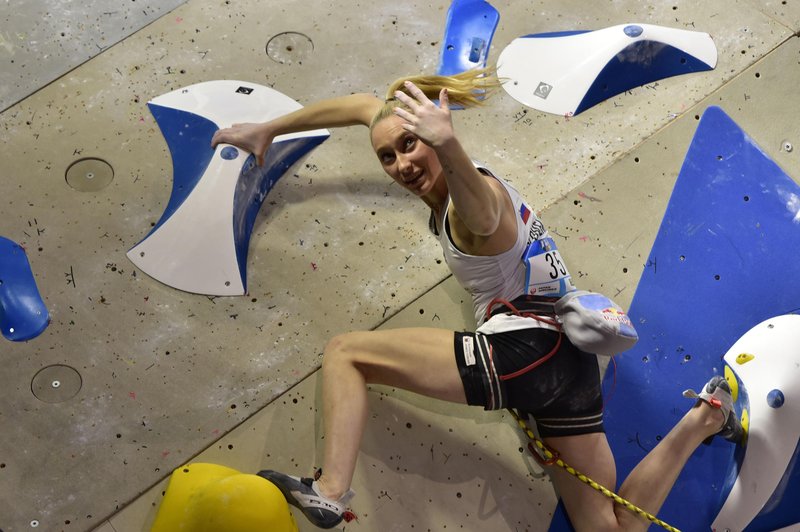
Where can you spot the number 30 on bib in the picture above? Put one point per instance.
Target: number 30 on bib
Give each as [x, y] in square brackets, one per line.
[545, 271]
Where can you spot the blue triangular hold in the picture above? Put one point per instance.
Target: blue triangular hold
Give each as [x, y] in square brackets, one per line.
[23, 314]
[724, 260]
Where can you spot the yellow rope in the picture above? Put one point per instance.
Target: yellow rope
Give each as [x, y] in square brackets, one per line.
[555, 460]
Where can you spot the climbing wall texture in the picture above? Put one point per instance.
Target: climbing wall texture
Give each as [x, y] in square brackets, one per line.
[165, 374]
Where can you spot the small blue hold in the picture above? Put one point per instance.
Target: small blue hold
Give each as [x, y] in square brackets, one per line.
[775, 398]
[476, 51]
[633, 30]
[229, 153]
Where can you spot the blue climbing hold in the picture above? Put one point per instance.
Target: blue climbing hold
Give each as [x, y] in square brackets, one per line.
[633, 30]
[229, 153]
[22, 312]
[775, 399]
[468, 35]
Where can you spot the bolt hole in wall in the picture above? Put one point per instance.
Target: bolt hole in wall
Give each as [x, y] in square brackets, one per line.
[56, 383]
[289, 47]
[89, 174]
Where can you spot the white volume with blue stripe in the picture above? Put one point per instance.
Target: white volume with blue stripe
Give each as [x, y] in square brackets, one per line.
[766, 363]
[200, 243]
[568, 72]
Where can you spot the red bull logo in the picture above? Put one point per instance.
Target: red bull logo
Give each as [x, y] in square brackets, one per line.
[615, 315]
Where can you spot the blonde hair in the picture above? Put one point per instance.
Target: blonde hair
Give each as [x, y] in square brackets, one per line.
[467, 89]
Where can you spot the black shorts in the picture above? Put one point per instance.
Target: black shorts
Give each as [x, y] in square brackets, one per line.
[563, 394]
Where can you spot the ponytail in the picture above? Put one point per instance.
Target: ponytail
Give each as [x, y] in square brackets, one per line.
[467, 89]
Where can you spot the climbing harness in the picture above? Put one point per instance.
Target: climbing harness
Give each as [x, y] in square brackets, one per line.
[543, 306]
[546, 456]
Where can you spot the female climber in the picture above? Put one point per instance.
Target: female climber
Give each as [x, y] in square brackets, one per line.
[485, 228]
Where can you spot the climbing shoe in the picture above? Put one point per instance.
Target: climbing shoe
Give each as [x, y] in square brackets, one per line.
[304, 494]
[717, 393]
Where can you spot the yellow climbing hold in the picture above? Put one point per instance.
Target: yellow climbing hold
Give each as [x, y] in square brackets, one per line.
[730, 376]
[745, 426]
[214, 498]
[744, 358]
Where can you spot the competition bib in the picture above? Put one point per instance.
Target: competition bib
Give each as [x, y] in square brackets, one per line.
[545, 271]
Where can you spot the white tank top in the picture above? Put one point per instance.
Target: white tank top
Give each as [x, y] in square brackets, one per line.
[496, 276]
